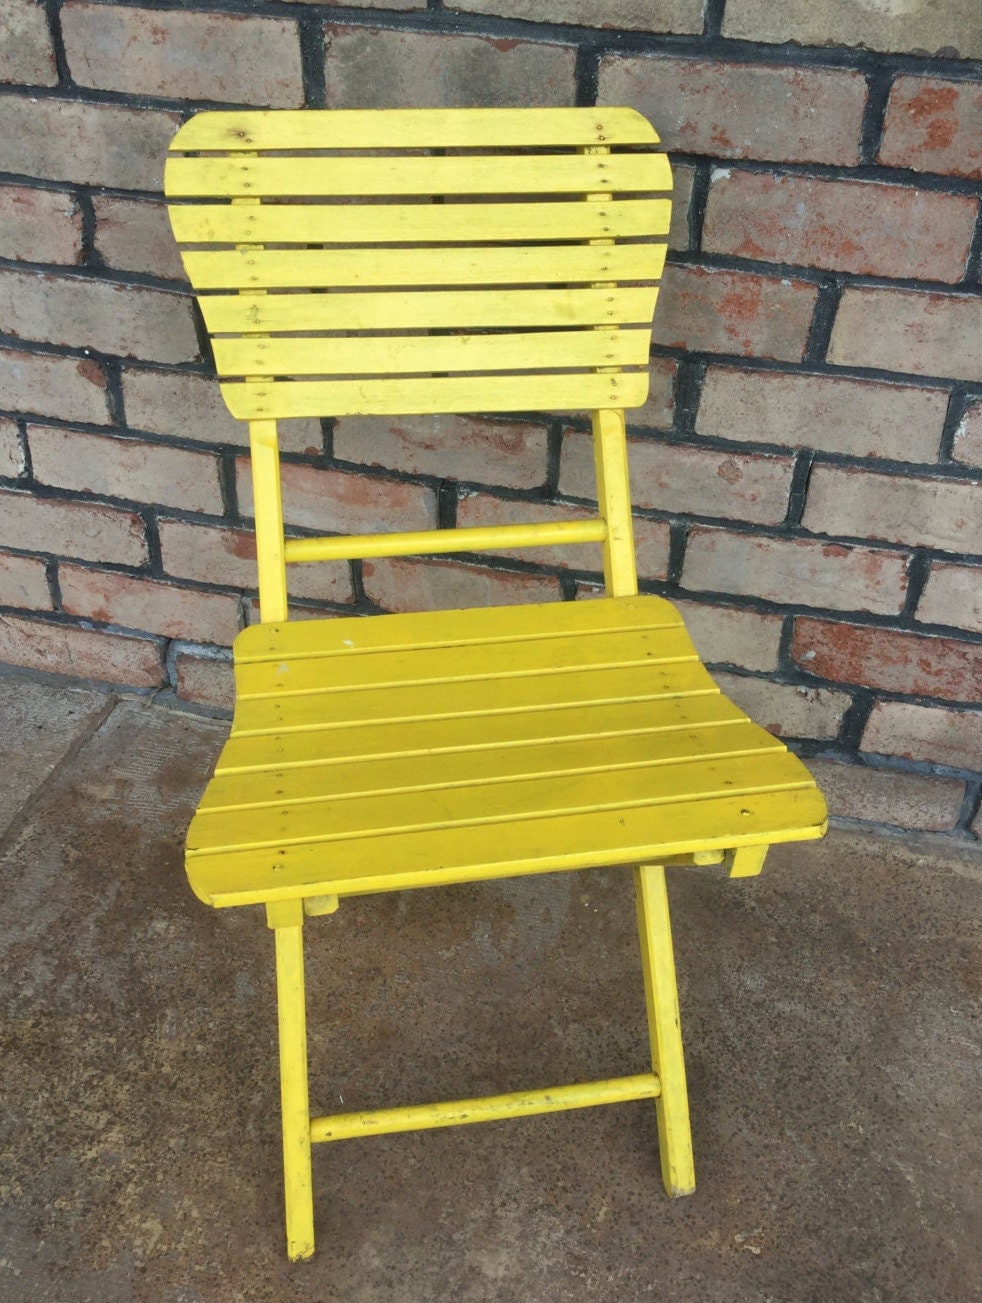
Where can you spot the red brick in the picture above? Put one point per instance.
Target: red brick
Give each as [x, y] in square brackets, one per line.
[81, 653]
[396, 584]
[934, 125]
[889, 796]
[628, 15]
[188, 406]
[855, 226]
[787, 710]
[952, 595]
[75, 529]
[920, 512]
[704, 310]
[932, 733]
[905, 330]
[148, 605]
[658, 411]
[94, 144]
[796, 571]
[82, 312]
[509, 453]
[11, 455]
[651, 537]
[968, 436]
[183, 55]
[26, 53]
[370, 68]
[23, 582]
[910, 27]
[916, 664]
[62, 387]
[125, 468]
[861, 418]
[691, 481]
[39, 225]
[742, 110]
[219, 555]
[205, 679]
[729, 635]
[134, 235]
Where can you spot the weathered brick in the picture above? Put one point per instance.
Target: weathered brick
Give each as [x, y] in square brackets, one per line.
[928, 513]
[149, 606]
[187, 406]
[714, 311]
[889, 796]
[787, 710]
[39, 225]
[742, 110]
[75, 529]
[658, 411]
[628, 15]
[338, 502]
[906, 330]
[23, 582]
[205, 679]
[375, 68]
[968, 436]
[913, 27]
[651, 537]
[933, 125]
[183, 55]
[952, 595]
[26, 52]
[82, 312]
[892, 660]
[63, 387]
[729, 635]
[125, 468]
[219, 555]
[11, 454]
[396, 584]
[933, 733]
[95, 144]
[689, 481]
[134, 235]
[861, 418]
[507, 453]
[855, 226]
[81, 653]
[682, 178]
[796, 571]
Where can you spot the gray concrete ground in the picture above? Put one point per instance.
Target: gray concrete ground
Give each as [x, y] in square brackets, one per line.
[827, 1008]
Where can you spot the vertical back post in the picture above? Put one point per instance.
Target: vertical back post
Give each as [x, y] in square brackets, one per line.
[270, 552]
[614, 496]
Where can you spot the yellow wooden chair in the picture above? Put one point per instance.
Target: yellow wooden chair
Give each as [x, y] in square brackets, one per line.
[460, 261]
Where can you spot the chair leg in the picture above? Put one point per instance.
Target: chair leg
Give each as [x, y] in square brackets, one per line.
[286, 918]
[661, 997]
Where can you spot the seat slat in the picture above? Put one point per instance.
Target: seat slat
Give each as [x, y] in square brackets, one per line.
[420, 223]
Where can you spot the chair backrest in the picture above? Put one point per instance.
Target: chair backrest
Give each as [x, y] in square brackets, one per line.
[423, 261]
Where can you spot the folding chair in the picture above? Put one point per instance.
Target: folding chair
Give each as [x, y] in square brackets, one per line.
[459, 261]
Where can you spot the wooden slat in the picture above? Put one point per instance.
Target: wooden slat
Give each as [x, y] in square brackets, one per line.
[411, 128]
[519, 174]
[460, 394]
[425, 309]
[420, 223]
[404, 354]
[311, 268]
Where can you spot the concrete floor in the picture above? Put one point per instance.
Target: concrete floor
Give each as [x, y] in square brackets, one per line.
[828, 1015]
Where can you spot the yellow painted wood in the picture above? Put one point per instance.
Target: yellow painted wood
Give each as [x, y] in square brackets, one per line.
[468, 222]
[664, 1024]
[264, 450]
[488, 1108]
[425, 309]
[424, 542]
[411, 128]
[614, 496]
[402, 354]
[748, 861]
[402, 176]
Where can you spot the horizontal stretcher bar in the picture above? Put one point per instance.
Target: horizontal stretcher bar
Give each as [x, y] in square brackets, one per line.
[429, 541]
[488, 1108]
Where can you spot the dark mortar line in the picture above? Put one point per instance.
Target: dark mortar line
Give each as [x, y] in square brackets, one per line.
[973, 265]
[713, 20]
[227, 458]
[798, 490]
[113, 372]
[99, 274]
[823, 317]
[312, 61]
[554, 452]
[586, 76]
[813, 170]
[971, 806]
[855, 718]
[89, 255]
[51, 569]
[678, 537]
[819, 276]
[688, 389]
[568, 586]
[917, 572]
[53, 13]
[446, 505]
[879, 81]
[698, 199]
[961, 397]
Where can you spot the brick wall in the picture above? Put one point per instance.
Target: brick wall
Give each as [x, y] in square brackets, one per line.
[806, 469]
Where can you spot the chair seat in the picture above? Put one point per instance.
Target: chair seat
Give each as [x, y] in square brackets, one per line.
[411, 750]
